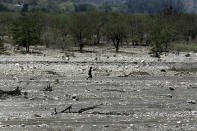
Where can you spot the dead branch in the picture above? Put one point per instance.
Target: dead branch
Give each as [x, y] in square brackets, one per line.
[88, 108]
[15, 92]
[68, 108]
[79, 111]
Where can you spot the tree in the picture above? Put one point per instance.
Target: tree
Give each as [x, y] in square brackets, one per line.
[95, 27]
[3, 8]
[60, 29]
[66, 7]
[26, 30]
[162, 33]
[1, 44]
[78, 27]
[85, 7]
[116, 29]
[108, 7]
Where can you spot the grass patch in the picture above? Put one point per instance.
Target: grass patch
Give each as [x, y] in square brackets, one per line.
[184, 47]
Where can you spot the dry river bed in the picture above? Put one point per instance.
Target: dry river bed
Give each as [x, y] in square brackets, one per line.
[157, 101]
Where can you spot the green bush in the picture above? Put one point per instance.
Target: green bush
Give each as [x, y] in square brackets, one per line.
[184, 47]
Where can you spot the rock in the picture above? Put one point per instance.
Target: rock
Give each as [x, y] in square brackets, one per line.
[36, 115]
[169, 95]
[191, 101]
[178, 122]
[74, 97]
[17, 64]
[163, 70]
[187, 55]
[171, 88]
[26, 95]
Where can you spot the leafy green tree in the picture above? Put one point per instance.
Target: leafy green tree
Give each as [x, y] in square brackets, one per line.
[108, 7]
[78, 28]
[66, 7]
[3, 8]
[137, 28]
[95, 27]
[26, 30]
[60, 30]
[116, 30]
[162, 33]
[85, 7]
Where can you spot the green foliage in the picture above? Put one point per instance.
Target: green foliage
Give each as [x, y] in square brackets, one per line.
[116, 29]
[26, 30]
[3, 8]
[85, 7]
[108, 7]
[66, 7]
[163, 32]
[67, 28]
[184, 47]
[78, 27]
[128, 6]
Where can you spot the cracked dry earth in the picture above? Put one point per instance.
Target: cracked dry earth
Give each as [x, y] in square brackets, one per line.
[134, 92]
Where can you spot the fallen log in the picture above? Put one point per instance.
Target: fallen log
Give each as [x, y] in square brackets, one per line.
[88, 108]
[15, 92]
[63, 111]
[68, 108]
[79, 111]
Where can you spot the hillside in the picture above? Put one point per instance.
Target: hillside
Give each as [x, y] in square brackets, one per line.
[127, 6]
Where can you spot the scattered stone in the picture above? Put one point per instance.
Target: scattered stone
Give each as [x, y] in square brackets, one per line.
[169, 95]
[22, 125]
[74, 97]
[106, 126]
[163, 70]
[171, 88]
[191, 101]
[187, 55]
[178, 122]
[36, 115]
[26, 95]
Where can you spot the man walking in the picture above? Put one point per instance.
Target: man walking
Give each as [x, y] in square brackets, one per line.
[90, 73]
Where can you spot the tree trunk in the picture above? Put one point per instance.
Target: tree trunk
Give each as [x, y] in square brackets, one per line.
[81, 47]
[117, 45]
[27, 48]
[80, 43]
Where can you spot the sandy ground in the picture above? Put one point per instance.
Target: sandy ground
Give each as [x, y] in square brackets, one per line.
[132, 88]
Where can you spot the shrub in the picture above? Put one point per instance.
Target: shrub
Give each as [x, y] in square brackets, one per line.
[184, 47]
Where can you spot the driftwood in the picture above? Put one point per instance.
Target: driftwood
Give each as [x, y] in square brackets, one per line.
[48, 88]
[63, 111]
[79, 111]
[88, 108]
[15, 92]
